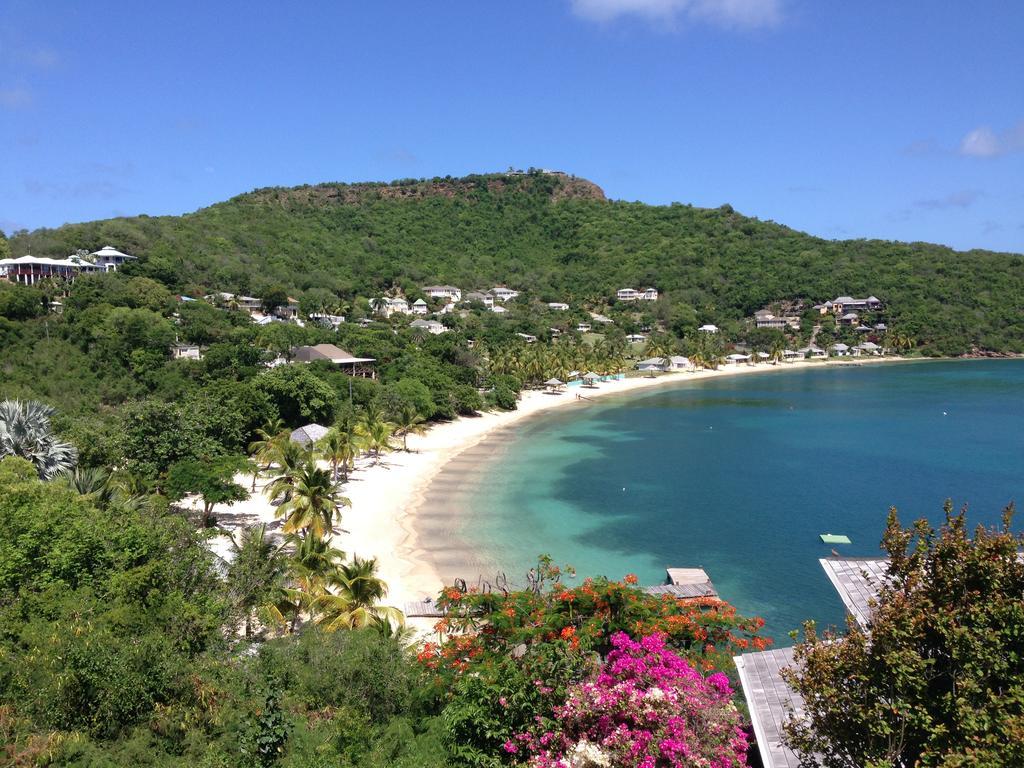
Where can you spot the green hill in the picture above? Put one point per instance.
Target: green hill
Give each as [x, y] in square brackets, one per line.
[558, 238]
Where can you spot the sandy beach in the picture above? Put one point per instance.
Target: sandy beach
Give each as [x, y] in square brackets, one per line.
[387, 496]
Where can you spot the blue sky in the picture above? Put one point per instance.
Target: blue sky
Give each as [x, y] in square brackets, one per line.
[866, 119]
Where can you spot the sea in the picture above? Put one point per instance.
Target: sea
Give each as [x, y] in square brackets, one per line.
[739, 476]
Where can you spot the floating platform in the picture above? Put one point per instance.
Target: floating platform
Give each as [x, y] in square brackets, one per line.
[835, 538]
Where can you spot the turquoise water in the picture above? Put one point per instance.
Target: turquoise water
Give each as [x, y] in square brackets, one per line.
[740, 475]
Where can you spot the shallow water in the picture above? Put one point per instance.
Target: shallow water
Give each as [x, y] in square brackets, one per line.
[739, 476]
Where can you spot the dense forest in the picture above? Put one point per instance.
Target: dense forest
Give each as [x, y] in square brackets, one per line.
[558, 239]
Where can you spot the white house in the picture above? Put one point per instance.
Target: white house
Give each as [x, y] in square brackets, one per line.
[558, 305]
[675, 363]
[840, 349]
[448, 292]
[708, 328]
[181, 351]
[419, 307]
[484, 298]
[763, 318]
[528, 338]
[627, 294]
[649, 294]
[583, 327]
[503, 294]
[736, 357]
[431, 326]
[28, 270]
[499, 309]
[598, 318]
[635, 338]
[110, 258]
[327, 320]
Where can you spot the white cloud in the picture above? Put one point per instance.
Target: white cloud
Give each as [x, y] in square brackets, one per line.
[727, 13]
[15, 98]
[984, 142]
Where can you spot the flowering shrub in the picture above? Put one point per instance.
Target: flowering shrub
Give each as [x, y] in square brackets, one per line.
[647, 708]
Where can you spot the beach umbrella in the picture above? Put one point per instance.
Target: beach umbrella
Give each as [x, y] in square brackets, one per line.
[552, 383]
[591, 375]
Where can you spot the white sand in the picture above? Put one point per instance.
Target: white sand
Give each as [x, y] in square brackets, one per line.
[385, 497]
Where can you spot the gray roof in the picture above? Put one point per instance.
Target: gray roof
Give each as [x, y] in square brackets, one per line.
[770, 701]
[857, 581]
[308, 434]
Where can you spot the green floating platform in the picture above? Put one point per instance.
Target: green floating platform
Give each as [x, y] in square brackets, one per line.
[835, 538]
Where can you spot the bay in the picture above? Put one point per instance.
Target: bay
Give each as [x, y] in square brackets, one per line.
[740, 476]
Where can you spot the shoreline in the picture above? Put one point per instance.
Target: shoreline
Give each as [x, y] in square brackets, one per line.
[388, 496]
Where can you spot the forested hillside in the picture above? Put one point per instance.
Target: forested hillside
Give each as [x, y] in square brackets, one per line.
[559, 239]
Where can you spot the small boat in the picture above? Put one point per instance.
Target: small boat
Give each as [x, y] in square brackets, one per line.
[835, 538]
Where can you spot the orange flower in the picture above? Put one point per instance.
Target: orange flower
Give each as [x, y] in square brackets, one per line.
[631, 578]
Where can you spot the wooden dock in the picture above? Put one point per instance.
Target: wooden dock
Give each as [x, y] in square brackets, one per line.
[681, 583]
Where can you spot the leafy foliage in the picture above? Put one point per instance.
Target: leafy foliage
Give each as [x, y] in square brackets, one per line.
[938, 676]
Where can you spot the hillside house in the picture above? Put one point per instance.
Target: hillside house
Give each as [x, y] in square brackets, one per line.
[850, 318]
[708, 328]
[110, 259]
[484, 298]
[29, 270]
[583, 327]
[558, 306]
[419, 307]
[430, 326]
[635, 338]
[528, 338]
[181, 351]
[503, 294]
[763, 318]
[498, 309]
[631, 294]
[446, 292]
[348, 363]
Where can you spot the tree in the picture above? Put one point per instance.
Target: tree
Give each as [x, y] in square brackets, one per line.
[338, 448]
[263, 448]
[300, 396]
[211, 480]
[354, 602]
[313, 505]
[274, 297]
[255, 574]
[937, 677]
[408, 422]
[25, 431]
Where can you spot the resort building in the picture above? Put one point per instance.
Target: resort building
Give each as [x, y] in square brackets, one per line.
[110, 258]
[674, 363]
[419, 307]
[180, 351]
[388, 306]
[849, 318]
[840, 350]
[558, 305]
[631, 294]
[327, 321]
[430, 326]
[484, 298]
[868, 348]
[583, 327]
[765, 319]
[635, 338]
[503, 294]
[249, 304]
[353, 366]
[29, 270]
[288, 311]
[709, 328]
[843, 304]
[447, 292]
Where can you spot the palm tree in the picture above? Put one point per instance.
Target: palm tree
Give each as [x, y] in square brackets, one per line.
[336, 449]
[374, 431]
[777, 352]
[289, 457]
[255, 575]
[313, 504]
[309, 568]
[379, 305]
[25, 431]
[354, 602]
[409, 422]
[262, 449]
